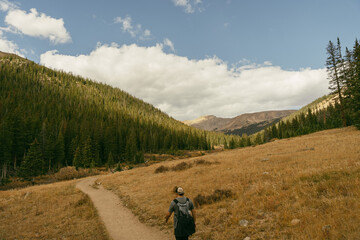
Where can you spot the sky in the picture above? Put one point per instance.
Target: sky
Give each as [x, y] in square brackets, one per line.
[189, 58]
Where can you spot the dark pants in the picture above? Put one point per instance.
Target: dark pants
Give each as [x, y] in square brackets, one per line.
[182, 238]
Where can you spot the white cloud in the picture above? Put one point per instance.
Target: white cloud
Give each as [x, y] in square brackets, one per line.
[5, 5]
[187, 88]
[126, 24]
[189, 5]
[9, 46]
[169, 43]
[38, 25]
[134, 31]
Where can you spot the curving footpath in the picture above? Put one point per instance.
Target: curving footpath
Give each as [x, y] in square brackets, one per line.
[120, 223]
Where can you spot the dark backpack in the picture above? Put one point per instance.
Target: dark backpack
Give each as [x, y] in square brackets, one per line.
[185, 225]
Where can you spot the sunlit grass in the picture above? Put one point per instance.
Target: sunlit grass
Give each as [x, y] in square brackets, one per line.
[300, 188]
[54, 211]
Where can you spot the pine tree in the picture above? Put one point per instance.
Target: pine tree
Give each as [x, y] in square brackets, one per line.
[92, 164]
[232, 143]
[266, 135]
[352, 83]
[33, 163]
[274, 131]
[140, 157]
[46, 145]
[334, 67]
[87, 153]
[225, 144]
[110, 161]
[131, 148]
[243, 141]
[17, 139]
[59, 151]
[258, 139]
[77, 163]
[5, 148]
[248, 142]
[355, 89]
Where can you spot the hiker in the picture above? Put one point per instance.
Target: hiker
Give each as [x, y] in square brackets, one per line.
[184, 223]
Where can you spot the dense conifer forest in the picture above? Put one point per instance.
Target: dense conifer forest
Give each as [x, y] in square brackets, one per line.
[51, 119]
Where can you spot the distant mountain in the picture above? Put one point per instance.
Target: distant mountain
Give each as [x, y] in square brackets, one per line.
[248, 123]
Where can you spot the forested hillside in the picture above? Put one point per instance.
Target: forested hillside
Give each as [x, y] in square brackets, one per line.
[50, 119]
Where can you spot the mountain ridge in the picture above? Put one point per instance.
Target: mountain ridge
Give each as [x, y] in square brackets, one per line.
[235, 124]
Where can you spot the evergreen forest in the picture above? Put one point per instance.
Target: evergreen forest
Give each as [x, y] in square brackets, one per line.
[52, 119]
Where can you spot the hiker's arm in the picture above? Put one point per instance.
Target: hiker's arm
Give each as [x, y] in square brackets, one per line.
[167, 216]
[193, 213]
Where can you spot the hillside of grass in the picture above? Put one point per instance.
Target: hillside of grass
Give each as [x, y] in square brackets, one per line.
[306, 187]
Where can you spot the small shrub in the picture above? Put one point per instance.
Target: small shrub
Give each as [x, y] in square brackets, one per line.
[118, 167]
[204, 162]
[217, 196]
[66, 173]
[201, 161]
[82, 201]
[220, 194]
[15, 184]
[181, 166]
[86, 172]
[161, 169]
[200, 200]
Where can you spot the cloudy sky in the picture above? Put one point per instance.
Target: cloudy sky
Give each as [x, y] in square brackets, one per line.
[188, 57]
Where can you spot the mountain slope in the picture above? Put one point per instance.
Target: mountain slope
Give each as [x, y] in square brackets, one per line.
[248, 123]
[62, 119]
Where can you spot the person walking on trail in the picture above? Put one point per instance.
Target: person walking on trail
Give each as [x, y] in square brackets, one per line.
[184, 222]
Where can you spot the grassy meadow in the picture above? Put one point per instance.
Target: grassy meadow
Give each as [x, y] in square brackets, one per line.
[54, 211]
[300, 188]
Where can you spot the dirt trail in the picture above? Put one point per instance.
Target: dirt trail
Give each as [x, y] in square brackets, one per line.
[120, 223]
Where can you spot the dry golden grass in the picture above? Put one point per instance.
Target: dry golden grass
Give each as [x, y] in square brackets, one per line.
[54, 211]
[301, 188]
